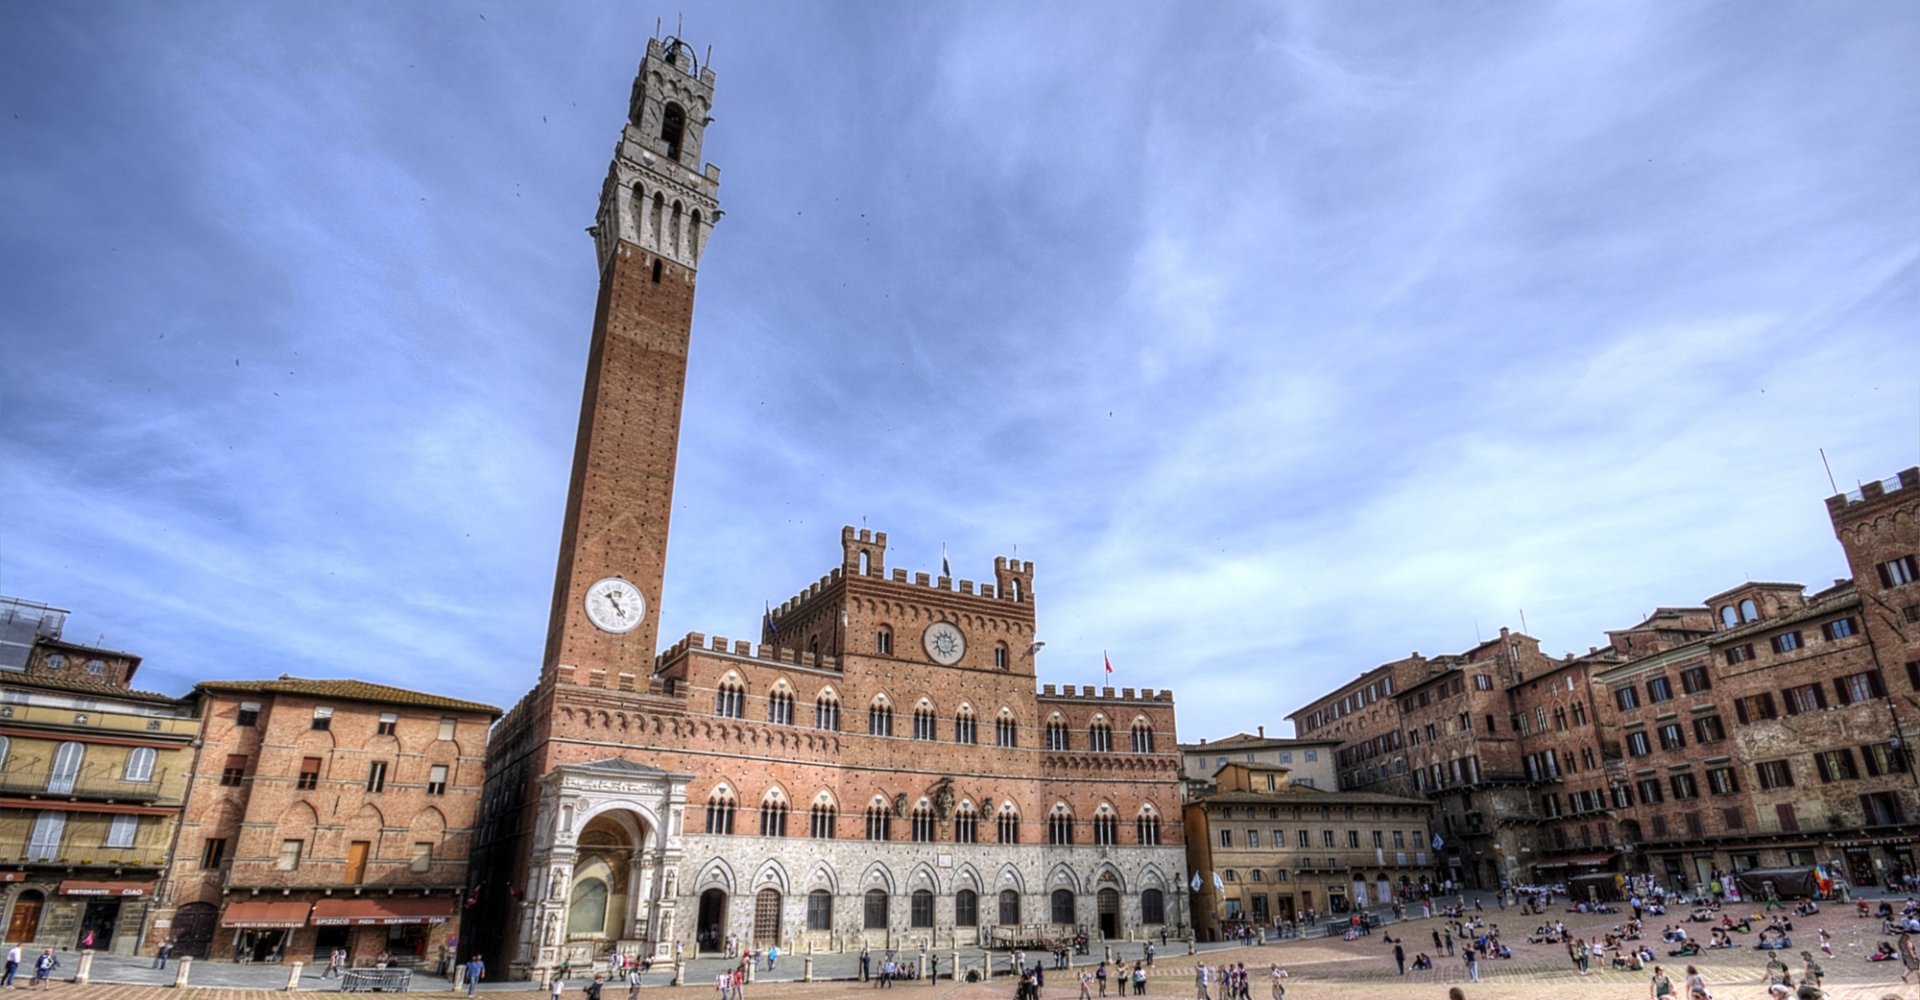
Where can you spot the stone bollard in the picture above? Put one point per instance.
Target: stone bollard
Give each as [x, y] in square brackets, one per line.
[459, 976]
[986, 966]
[953, 962]
[806, 969]
[751, 964]
[679, 972]
[181, 970]
[922, 963]
[293, 976]
[83, 971]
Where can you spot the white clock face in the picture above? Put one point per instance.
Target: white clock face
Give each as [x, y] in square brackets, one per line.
[614, 605]
[945, 643]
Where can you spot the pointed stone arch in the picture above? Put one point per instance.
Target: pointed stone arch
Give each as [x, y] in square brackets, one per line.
[715, 873]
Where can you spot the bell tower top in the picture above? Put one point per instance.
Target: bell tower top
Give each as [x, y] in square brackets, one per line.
[658, 196]
[671, 96]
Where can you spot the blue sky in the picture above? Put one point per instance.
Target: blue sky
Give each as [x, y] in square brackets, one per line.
[1284, 338]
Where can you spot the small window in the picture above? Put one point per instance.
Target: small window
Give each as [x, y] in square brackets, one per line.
[1728, 617]
[447, 727]
[876, 910]
[121, 830]
[323, 718]
[1785, 642]
[248, 716]
[235, 771]
[437, 780]
[1748, 611]
[819, 910]
[139, 765]
[673, 126]
[1000, 658]
[57, 661]
[422, 856]
[213, 851]
[389, 721]
[1899, 572]
[289, 859]
[1839, 628]
[883, 642]
[96, 667]
[309, 774]
[377, 776]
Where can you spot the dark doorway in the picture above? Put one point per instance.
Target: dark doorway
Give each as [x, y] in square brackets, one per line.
[1108, 903]
[98, 920]
[193, 929]
[713, 920]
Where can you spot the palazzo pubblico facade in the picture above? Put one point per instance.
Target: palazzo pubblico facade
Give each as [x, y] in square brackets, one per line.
[879, 768]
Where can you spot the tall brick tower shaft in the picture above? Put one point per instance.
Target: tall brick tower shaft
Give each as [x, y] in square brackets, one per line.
[657, 209]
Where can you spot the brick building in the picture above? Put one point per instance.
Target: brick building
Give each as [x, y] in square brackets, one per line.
[324, 814]
[1265, 851]
[1768, 726]
[880, 767]
[92, 777]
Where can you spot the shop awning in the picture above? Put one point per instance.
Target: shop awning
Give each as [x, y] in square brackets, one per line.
[75, 887]
[1576, 860]
[371, 912]
[264, 913]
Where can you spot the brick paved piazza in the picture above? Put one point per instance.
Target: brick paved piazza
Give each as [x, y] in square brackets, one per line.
[1318, 968]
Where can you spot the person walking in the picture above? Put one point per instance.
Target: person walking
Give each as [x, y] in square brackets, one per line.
[633, 981]
[593, 988]
[1473, 963]
[1400, 957]
[1696, 985]
[1100, 976]
[559, 985]
[1086, 985]
[1659, 987]
[1139, 980]
[1200, 982]
[13, 966]
[162, 953]
[476, 971]
[773, 957]
[866, 965]
[43, 967]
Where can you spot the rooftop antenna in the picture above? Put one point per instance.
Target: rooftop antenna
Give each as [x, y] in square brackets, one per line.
[1523, 622]
[656, 27]
[1476, 632]
[1835, 487]
[679, 24]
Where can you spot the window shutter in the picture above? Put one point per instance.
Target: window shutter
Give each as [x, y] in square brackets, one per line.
[1876, 683]
[1840, 691]
[1820, 761]
[1793, 705]
[1819, 695]
[1740, 708]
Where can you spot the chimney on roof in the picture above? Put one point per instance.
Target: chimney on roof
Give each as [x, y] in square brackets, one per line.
[1263, 732]
[1203, 741]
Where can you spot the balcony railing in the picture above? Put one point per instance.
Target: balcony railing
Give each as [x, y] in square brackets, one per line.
[92, 784]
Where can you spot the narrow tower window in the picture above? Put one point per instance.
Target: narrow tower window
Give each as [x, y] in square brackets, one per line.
[673, 125]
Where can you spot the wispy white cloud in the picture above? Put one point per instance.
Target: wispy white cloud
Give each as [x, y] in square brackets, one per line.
[1287, 340]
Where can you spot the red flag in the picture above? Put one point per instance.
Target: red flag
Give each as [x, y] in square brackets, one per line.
[1109, 662]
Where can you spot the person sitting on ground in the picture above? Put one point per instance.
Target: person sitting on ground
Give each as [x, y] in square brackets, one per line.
[1773, 942]
[1883, 952]
[1686, 949]
[1422, 961]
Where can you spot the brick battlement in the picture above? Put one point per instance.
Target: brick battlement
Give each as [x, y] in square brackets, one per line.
[1106, 694]
[742, 649]
[1870, 494]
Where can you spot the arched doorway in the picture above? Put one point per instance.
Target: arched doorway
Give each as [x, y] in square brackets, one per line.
[597, 902]
[25, 921]
[712, 925]
[766, 918]
[193, 929]
[1108, 904]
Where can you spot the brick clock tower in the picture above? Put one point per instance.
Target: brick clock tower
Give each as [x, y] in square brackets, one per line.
[657, 208]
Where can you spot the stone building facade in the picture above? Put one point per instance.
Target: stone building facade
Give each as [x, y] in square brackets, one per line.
[324, 814]
[1309, 763]
[93, 775]
[1767, 726]
[1265, 851]
[880, 768]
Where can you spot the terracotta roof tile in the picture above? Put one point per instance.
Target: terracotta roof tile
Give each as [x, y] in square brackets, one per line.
[82, 685]
[346, 690]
